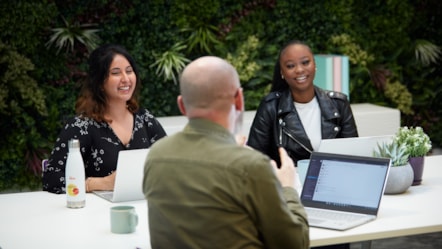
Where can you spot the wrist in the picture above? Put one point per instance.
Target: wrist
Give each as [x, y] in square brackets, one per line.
[88, 184]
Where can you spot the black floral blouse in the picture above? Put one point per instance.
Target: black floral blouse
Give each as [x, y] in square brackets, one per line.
[99, 147]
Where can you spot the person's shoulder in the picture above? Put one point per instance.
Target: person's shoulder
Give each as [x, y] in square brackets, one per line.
[272, 96]
[78, 120]
[252, 158]
[337, 95]
[165, 143]
[143, 111]
[80, 126]
[334, 94]
[145, 114]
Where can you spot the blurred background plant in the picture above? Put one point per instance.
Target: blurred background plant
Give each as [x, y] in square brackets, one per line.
[399, 96]
[66, 36]
[245, 60]
[169, 64]
[22, 105]
[426, 52]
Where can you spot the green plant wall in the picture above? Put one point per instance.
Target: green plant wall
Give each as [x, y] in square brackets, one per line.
[379, 36]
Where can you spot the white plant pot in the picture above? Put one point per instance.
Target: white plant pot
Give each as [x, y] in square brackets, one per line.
[399, 179]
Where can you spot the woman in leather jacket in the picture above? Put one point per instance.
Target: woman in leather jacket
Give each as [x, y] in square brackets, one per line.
[296, 114]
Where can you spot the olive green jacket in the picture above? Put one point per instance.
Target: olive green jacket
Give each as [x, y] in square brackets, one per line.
[205, 191]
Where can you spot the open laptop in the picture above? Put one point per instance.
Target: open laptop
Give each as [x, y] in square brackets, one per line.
[357, 146]
[343, 191]
[129, 177]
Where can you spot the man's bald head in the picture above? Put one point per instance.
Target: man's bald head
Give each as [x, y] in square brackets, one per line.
[206, 82]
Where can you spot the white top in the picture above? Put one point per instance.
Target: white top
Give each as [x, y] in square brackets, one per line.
[42, 220]
[310, 115]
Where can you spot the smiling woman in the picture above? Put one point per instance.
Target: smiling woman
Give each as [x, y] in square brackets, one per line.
[297, 114]
[108, 120]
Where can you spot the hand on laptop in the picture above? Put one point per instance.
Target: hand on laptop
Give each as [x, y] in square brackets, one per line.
[101, 183]
[286, 174]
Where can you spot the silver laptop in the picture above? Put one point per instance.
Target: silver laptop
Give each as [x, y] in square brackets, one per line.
[343, 191]
[129, 177]
[357, 146]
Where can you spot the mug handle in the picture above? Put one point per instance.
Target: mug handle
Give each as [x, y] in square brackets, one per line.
[134, 220]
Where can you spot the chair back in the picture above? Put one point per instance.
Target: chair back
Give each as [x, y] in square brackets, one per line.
[44, 165]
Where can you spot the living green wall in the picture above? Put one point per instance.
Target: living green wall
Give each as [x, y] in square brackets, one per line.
[40, 82]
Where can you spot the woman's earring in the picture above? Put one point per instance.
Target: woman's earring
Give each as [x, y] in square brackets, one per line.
[282, 76]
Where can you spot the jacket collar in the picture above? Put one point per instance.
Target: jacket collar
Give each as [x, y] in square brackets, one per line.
[285, 104]
[328, 109]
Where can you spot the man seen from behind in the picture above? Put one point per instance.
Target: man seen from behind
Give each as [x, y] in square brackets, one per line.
[206, 191]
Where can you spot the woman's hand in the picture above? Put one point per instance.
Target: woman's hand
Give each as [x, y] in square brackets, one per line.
[101, 183]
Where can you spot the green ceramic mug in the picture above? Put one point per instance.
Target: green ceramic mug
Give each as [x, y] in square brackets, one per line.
[302, 167]
[124, 219]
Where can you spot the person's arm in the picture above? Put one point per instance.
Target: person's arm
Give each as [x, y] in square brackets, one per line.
[279, 213]
[155, 130]
[100, 183]
[53, 179]
[348, 123]
[261, 129]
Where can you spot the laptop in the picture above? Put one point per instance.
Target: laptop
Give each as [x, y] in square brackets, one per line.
[343, 191]
[357, 146]
[129, 177]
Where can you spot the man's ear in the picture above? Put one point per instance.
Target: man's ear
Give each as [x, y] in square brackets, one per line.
[180, 103]
[239, 100]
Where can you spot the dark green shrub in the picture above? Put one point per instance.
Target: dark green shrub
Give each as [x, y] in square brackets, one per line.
[22, 104]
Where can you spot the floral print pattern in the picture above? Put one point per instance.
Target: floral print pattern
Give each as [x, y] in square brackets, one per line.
[99, 147]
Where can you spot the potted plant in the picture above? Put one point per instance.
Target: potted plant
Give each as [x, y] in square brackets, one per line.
[400, 176]
[417, 144]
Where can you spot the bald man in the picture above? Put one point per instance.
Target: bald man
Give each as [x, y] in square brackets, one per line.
[204, 190]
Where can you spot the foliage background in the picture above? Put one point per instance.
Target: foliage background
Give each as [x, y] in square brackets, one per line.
[40, 81]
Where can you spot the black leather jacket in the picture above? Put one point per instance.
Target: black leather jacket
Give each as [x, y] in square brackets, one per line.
[277, 123]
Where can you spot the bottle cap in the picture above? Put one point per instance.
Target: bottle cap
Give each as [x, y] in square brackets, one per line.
[74, 144]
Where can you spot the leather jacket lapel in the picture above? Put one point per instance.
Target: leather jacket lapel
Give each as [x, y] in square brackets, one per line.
[290, 124]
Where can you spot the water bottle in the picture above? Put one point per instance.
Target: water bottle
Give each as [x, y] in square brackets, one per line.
[75, 177]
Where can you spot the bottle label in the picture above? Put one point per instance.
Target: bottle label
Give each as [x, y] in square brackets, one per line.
[72, 190]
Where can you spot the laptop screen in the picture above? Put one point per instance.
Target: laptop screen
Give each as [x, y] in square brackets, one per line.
[345, 183]
[129, 177]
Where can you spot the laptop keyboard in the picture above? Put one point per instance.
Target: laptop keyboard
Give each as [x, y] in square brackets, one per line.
[108, 195]
[315, 215]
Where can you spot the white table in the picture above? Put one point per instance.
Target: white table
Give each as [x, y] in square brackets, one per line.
[416, 211]
[41, 219]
